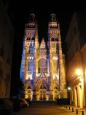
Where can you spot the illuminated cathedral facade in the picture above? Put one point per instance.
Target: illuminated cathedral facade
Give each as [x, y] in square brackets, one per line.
[43, 66]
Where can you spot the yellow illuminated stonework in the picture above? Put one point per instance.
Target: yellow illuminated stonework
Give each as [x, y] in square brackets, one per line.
[42, 66]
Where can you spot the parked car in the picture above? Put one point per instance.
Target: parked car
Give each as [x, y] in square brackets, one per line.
[6, 106]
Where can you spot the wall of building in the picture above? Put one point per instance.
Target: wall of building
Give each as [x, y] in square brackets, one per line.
[76, 60]
[6, 47]
[83, 54]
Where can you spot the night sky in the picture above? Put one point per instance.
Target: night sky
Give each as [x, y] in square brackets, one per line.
[42, 9]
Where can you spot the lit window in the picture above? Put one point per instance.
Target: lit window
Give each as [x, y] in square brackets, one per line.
[30, 57]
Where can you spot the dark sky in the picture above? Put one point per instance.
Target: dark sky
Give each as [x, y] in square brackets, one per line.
[42, 9]
[20, 10]
[64, 11]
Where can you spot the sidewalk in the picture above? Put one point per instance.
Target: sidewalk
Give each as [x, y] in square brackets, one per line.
[76, 110]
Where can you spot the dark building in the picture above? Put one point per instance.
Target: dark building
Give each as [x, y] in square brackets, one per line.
[76, 59]
[6, 49]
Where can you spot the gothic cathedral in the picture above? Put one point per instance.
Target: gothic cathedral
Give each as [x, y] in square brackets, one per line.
[43, 64]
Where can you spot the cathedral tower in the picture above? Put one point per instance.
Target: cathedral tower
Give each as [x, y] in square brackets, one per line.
[57, 72]
[28, 64]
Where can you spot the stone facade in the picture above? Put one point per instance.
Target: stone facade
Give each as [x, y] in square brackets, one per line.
[42, 66]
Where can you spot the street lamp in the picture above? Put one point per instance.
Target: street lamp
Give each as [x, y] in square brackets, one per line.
[69, 88]
[78, 72]
[79, 75]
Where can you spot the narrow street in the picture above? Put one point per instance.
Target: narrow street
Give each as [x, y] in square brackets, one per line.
[44, 109]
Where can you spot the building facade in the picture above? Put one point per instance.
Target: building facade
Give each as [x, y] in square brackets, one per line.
[42, 66]
[76, 59]
[6, 50]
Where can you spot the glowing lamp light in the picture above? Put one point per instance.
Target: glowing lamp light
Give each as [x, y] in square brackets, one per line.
[78, 72]
[69, 88]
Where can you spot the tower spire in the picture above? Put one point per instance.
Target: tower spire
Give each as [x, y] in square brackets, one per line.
[53, 17]
[56, 65]
[53, 21]
[32, 17]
